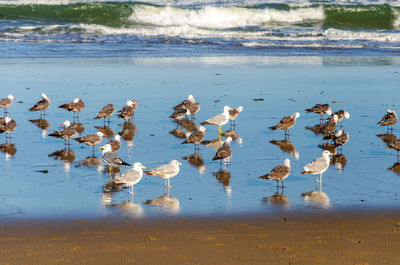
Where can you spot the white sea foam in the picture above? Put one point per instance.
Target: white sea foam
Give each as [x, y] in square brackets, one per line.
[221, 17]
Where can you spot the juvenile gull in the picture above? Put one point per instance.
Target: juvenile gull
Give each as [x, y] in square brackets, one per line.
[105, 112]
[115, 143]
[330, 126]
[224, 152]
[42, 104]
[183, 104]
[196, 137]
[7, 125]
[67, 133]
[389, 119]
[76, 106]
[318, 166]
[111, 158]
[128, 111]
[166, 171]
[320, 109]
[218, 120]
[91, 139]
[131, 176]
[286, 123]
[179, 114]
[233, 114]
[279, 173]
[341, 114]
[6, 102]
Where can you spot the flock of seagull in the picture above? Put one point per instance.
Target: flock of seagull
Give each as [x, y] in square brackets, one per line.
[330, 127]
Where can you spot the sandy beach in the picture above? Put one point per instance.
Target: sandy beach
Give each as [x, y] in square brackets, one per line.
[369, 237]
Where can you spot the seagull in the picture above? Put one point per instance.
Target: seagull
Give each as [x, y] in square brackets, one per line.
[7, 125]
[330, 126]
[341, 114]
[224, 152]
[233, 114]
[166, 171]
[67, 133]
[115, 143]
[42, 104]
[389, 119]
[196, 138]
[131, 176]
[105, 112]
[128, 111]
[318, 166]
[341, 138]
[76, 106]
[6, 102]
[183, 104]
[91, 139]
[179, 114]
[111, 158]
[279, 173]
[320, 109]
[218, 120]
[286, 123]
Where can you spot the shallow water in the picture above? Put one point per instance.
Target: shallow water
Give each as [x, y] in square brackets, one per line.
[366, 86]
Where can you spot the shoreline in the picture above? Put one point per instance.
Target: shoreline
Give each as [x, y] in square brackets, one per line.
[353, 237]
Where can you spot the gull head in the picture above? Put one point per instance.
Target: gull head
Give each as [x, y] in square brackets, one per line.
[190, 98]
[7, 120]
[326, 153]
[45, 96]
[296, 115]
[138, 166]
[129, 103]
[286, 162]
[117, 138]
[239, 109]
[101, 134]
[339, 133]
[106, 148]
[226, 109]
[228, 140]
[202, 129]
[76, 100]
[347, 115]
[66, 123]
[175, 162]
[11, 97]
[335, 118]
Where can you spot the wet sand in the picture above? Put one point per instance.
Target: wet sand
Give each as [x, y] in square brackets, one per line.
[286, 238]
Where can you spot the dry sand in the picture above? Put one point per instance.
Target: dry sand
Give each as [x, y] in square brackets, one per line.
[285, 238]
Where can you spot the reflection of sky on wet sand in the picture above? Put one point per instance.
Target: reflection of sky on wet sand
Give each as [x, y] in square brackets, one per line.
[75, 180]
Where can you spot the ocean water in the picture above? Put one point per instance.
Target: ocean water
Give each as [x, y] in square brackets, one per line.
[273, 58]
[197, 28]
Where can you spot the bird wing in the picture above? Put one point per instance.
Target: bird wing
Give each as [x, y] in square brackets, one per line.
[112, 158]
[217, 119]
[223, 152]
[316, 165]
[129, 176]
[5, 102]
[164, 170]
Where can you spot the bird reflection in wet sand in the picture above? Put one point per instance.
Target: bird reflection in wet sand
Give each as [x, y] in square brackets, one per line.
[287, 147]
[339, 161]
[214, 144]
[179, 133]
[79, 128]
[277, 199]
[42, 124]
[106, 130]
[197, 161]
[234, 135]
[128, 207]
[166, 201]
[224, 177]
[316, 129]
[387, 138]
[92, 162]
[129, 130]
[316, 198]
[66, 155]
[395, 168]
[187, 124]
[330, 147]
[9, 149]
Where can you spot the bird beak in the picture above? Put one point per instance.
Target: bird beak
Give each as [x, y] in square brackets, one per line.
[14, 98]
[143, 166]
[101, 147]
[207, 130]
[179, 163]
[62, 123]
